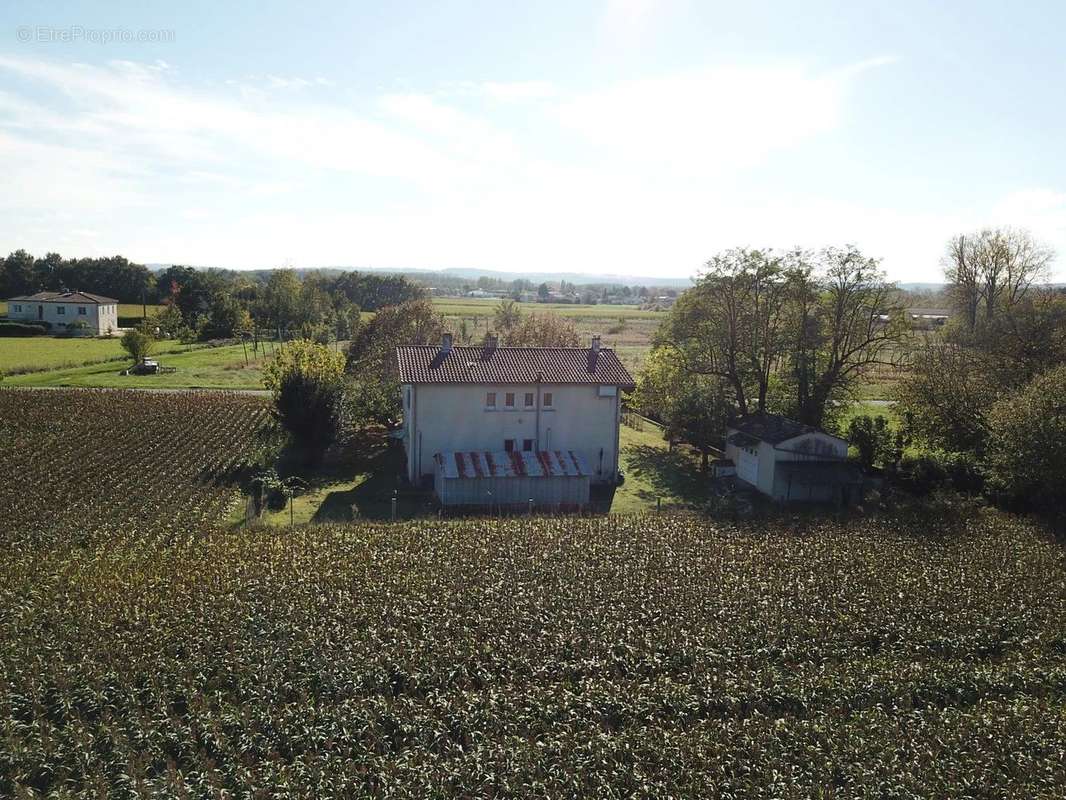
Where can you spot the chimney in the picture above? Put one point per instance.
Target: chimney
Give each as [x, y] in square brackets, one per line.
[596, 343]
[446, 343]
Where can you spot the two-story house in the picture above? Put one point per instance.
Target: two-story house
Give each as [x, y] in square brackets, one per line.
[92, 314]
[511, 423]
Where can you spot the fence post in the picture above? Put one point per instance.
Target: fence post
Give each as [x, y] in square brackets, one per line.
[658, 504]
[393, 505]
[531, 506]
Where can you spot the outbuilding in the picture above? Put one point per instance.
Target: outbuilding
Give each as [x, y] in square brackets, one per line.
[792, 462]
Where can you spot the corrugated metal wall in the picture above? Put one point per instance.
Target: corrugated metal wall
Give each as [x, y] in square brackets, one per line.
[545, 492]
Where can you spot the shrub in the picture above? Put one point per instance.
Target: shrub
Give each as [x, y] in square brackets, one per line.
[14, 329]
[1026, 457]
[138, 343]
[306, 380]
[872, 438]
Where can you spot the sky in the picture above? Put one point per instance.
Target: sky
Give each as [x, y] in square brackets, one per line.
[620, 136]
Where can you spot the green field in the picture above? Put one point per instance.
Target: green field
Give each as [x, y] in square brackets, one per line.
[627, 329]
[198, 367]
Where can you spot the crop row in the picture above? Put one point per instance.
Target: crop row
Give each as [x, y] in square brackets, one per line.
[641, 656]
[78, 465]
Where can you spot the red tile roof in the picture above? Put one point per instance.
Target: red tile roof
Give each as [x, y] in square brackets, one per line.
[428, 364]
[67, 297]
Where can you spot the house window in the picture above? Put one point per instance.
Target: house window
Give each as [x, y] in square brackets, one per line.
[527, 445]
[548, 399]
[81, 311]
[490, 400]
[529, 399]
[508, 445]
[61, 309]
[508, 399]
[18, 308]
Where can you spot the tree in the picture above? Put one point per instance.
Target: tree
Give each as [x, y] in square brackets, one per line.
[1026, 456]
[17, 274]
[307, 383]
[372, 354]
[730, 325]
[693, 408]
[945, 397]
[543, 292]
[507, 315]
[226, 317]
[992, 270]
[542, 330]
[872, 438]
[139, 343]
[844, 321]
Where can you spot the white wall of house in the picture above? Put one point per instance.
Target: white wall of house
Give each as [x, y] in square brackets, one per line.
[816, 446]
[99, 318]
[443, 417]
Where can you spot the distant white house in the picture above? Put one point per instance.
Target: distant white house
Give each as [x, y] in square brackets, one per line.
[504, 425]
[789, 461]
[64, 310]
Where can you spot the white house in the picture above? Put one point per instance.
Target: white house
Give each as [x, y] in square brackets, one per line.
[64, 309]
[506, 422]
[789, 461]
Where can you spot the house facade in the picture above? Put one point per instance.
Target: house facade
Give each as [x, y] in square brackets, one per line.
[789, 462]
[511, 412]
[64, 310]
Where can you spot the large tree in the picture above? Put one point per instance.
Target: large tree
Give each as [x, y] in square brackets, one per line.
[731, 324]
[993, 269]
[372, 354]
[846, 319]
[799, 325]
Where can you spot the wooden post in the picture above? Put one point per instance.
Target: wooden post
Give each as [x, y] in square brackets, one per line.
[393, 505]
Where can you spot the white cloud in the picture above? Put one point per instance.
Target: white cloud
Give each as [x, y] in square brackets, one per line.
[507, 175]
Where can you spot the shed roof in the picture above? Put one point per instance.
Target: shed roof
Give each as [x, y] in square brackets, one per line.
[431, 364]
[67, 297]
[772, 428]
[513, 464]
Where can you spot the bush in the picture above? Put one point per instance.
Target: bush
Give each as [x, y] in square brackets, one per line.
[14, 329]
[1026, 458]
[138, 343]
[872, 438]
[307, 382]
[930, 472]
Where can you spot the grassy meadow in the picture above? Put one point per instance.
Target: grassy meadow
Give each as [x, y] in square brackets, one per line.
[197, 367]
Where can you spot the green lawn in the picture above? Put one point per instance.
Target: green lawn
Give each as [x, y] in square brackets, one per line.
[356, 482]
[198, 368]
[653, 472]
[45, 352]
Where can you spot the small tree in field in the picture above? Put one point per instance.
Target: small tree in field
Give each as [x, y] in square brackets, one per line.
[138, 343]
[307, 381]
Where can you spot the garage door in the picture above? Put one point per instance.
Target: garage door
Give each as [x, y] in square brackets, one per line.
[748, 467]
